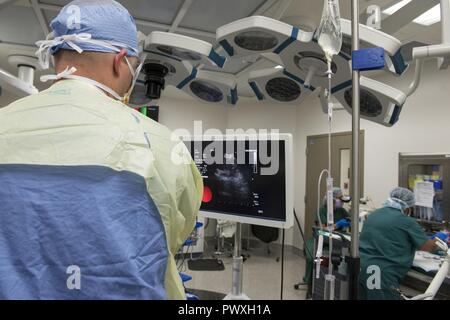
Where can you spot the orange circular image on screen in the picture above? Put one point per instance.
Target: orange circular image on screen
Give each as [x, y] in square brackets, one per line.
[207, 194]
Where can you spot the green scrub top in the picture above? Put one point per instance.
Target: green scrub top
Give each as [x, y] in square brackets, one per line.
[389, 239]
[339, 214]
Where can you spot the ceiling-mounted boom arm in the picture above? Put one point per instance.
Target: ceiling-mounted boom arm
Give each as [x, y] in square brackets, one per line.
[440, 51]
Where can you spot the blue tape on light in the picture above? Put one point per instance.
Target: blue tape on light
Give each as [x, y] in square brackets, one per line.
[285, 44]
[227, 47]
[191, 77]
[234, 96]
[293, 77]
[217, 58]
[256, 90]
[395, 115]
[341, 86]
[368, 59]
[399, 62]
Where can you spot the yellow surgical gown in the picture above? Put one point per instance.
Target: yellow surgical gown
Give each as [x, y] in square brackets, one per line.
[75, 123]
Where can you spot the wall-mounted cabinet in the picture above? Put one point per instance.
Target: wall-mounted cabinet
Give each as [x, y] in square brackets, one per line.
[434, 168]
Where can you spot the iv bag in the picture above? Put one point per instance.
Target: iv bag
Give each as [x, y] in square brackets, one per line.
[329, 34]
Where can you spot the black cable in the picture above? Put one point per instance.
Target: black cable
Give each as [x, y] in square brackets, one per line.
[303, 235]
[282, 266]
[186, 255]
[304, 240]
[179, 257]
[183, 258]
[191, 249]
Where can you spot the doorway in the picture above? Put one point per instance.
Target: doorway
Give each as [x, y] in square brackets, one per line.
[317, 160]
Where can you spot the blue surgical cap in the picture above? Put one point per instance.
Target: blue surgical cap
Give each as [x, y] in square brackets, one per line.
[105, 20]
[406, 197]
[337, 193]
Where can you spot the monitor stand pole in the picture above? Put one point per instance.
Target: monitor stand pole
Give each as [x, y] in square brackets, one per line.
[238, 268]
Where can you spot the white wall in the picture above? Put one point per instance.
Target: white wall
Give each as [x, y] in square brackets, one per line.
[180, 111]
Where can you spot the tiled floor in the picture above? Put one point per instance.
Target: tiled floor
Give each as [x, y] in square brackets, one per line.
[262, 276]
[261, 281]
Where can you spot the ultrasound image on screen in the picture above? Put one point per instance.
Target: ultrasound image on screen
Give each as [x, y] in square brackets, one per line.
[233, 179]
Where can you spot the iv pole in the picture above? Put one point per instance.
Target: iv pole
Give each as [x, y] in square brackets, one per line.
[354, 260]
[442, 52]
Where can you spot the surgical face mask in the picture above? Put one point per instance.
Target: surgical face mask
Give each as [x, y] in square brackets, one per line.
[135, 75]
[397, 204]
[338, 203]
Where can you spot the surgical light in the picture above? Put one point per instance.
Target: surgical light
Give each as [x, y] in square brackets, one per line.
[170, 61]
[206, 91]
[277, 85]
[183, 48]
[211, 87]
[379, 102]
[283, 89]
[370, 38]
[257, 34]
[256, 41]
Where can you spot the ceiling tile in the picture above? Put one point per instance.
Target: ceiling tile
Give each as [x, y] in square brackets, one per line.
[162, 11]
[208, 15]
[19, 25]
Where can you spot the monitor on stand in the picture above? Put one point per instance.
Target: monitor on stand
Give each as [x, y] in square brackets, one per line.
[247, 179]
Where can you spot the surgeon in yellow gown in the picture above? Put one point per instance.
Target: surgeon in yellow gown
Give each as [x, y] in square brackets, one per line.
[81, 120]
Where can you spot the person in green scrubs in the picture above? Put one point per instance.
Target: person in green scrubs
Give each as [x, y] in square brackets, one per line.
[388, 242]
[341, 217]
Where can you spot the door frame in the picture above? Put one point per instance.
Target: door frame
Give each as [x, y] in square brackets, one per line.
[361, 163]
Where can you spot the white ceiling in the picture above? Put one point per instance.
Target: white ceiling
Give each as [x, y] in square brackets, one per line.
[21, 25]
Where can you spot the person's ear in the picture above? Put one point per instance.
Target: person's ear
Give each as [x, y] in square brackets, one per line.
[118, 60]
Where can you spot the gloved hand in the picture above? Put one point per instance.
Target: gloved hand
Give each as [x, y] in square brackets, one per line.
[441, 235]
[343, 223]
